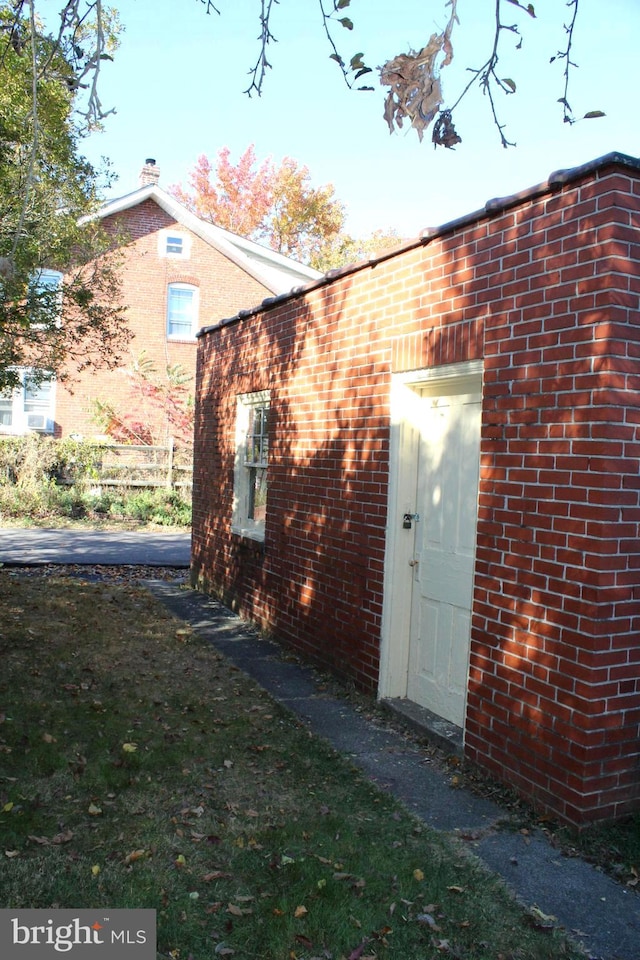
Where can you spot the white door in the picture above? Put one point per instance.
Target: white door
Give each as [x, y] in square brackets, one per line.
[443, 562]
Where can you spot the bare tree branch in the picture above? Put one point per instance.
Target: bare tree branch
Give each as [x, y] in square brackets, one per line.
[259, 71]
[416, 93]
[209, 6]
[565, 55]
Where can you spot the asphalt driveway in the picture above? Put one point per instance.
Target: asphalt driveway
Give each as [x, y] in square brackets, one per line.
[36, 545]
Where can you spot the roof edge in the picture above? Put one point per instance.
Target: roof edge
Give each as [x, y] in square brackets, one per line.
[234, 248]
[555, 181]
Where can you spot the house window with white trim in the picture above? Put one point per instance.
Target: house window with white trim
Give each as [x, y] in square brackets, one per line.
[46, 298]
[175, 245]
[251, 465]
[172, 243]
[182, 311]
[29, 406]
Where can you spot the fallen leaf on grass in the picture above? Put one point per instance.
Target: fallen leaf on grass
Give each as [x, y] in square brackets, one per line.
[443, 946]
[216, 875]
[300, 912]
[95, 870]
[12, 853]
[64, 837]
[94, 810]
[418, 875]
[542, 920]
[129, 747]
[48, 738]
[455, 889]
[135, 855]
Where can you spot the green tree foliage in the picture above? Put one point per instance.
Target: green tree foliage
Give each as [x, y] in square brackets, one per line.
[47, 195]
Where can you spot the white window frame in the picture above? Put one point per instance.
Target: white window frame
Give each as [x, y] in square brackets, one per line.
[165, 238]
[44, 280]
[28, 414]
[242, 523]
[195, 301]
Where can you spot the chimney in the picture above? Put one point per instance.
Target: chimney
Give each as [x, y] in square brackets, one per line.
[150, 173]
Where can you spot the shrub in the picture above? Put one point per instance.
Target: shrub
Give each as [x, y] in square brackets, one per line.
[33, 459]
[42, 478]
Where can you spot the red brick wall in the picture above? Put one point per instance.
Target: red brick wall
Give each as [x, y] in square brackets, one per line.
[223, 289]
[546, 291]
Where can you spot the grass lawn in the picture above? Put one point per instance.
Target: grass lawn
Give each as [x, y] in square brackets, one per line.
[138, 768]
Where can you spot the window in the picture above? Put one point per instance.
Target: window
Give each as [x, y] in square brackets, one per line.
[172, 243]
[182, 311]
[251, 465]
[28, 407]
[6, 409]
[37, 402]
[49, 280]
[46, 302]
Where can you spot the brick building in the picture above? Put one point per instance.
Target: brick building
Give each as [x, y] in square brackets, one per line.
[180, 273]
[450, 434]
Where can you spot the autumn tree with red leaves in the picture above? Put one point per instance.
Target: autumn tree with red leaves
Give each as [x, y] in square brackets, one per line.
[236, 198]
[275, 205]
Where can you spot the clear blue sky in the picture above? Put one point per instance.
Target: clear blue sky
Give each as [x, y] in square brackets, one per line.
[178, 79]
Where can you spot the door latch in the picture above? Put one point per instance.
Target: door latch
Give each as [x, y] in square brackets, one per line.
[407, 520]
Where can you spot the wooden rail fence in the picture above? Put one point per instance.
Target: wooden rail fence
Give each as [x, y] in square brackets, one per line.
[126, 465]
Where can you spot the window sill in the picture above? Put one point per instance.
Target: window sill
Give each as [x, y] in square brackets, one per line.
[257, 536]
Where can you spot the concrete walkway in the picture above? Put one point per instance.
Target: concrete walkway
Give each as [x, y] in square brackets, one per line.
[596, 912]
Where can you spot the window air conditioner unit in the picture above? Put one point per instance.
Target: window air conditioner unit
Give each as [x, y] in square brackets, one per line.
[36, 421]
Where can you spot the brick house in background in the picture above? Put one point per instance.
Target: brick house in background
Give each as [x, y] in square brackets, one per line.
[180, 273]
[450, 434]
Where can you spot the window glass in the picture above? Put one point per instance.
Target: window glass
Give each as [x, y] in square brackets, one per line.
[46, 298]
[174, 244]
[6, 409]
[37, 396]
[257, 450]
[29, 407]
[250, 482]
[181, 310]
